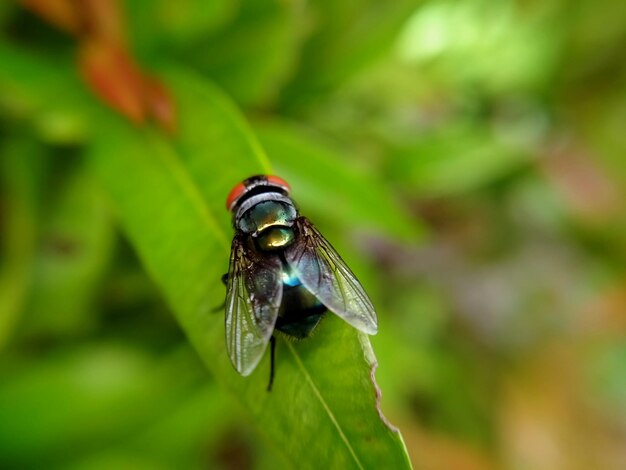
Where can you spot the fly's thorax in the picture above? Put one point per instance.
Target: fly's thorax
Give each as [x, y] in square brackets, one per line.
[263, 211]
[275, 238]
[269, 219]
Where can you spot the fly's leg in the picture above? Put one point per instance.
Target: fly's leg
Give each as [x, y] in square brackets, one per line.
[272, 349]
[220, 307]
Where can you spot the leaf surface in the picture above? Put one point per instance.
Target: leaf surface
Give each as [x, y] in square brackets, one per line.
[170, 199]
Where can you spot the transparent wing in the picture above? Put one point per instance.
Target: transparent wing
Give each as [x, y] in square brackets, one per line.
[322, 271]
[253, 296]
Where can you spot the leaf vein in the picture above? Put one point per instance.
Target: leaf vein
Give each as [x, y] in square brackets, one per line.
[331, 415]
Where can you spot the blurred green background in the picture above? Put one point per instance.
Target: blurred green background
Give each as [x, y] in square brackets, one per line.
[466, 156]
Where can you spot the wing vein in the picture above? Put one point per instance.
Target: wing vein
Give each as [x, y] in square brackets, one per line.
[322, 271]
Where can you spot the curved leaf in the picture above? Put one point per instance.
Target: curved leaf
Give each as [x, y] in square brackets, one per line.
[323, 409]
[169, 196]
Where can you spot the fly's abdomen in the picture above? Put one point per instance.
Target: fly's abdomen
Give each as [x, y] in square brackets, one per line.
[300, 311]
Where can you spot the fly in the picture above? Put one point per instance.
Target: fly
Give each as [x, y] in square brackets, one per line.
[283, 275]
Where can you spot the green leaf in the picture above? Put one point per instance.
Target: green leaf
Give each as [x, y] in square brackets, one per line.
[252, 57]
[330, 187]
[456, 161]
[169, 195]
[20, 171]
[76, 243]
[86, 398]
[49, 97]
[347, 37]
[158, 24]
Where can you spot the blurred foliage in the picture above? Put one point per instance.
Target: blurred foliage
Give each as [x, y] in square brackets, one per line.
[467, 158]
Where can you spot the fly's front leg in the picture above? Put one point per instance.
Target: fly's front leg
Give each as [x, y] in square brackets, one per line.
[272, 349]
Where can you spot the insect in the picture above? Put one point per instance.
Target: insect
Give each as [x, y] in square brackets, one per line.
[283, 275]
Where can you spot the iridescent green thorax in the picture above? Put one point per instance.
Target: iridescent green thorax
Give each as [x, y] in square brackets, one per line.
[266, 214]
[275, 238]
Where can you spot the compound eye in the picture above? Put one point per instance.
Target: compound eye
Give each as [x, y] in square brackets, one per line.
[235, 194]
[278, 181]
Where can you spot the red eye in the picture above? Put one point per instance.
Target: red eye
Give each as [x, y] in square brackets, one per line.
[251, 183]
[234, 195]
[279, 182]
